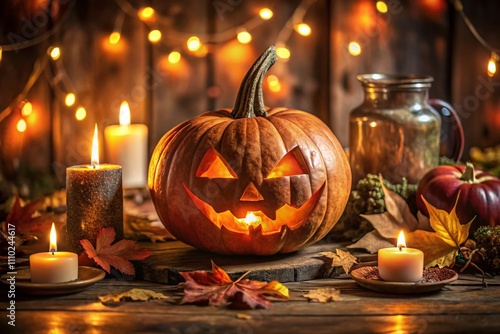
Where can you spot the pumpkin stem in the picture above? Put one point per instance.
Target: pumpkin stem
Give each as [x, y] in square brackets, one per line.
[469, 174]
[249, 102]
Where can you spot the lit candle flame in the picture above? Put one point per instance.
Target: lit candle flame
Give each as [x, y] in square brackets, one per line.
[251, 219]
[401, 241]
[53, 240]
[95, 149]
[124, 113]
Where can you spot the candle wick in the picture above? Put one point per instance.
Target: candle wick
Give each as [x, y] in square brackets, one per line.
[400, 248]
[93, 166]
[53, 251]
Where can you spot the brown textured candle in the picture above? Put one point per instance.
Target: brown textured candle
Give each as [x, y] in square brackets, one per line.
[94, 199]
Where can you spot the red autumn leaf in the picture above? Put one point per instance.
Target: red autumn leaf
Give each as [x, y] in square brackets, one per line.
[216, 288]
[26, 220]
[117, 255]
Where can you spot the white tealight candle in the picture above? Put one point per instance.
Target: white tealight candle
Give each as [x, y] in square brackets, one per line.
[53, 266]
[127, 146]
[400, 264]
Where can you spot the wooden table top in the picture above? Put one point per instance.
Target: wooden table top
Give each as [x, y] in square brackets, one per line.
[465, 306]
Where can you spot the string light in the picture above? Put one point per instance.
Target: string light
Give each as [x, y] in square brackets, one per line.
[54, 52]
[354, 48]
[282, 51]
[492, 64]
[244, 36]
[273, 83]
[154, 36]
[146, 13]
[381, 7]
[27, 109]
[265, 13]
[303, 29]
[174, 57]
[21, 125]
[80, 113]
[114, 38]
[70, 99]
[193, 43]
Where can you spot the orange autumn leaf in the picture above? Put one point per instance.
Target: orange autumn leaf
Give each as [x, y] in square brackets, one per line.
[217, 288]
[117, 255]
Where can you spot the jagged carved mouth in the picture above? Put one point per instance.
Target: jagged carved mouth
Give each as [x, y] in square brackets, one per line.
[286, 215]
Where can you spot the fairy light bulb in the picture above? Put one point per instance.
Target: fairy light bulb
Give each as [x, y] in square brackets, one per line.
[381, 7]
[154, 36]
[55, 52]
[1, 53]
[273, 83]
[354, 48]
[492, 64]
[146, 13]
[244, 36]
[80, 114]
[21, 125]
[174, 57]
[70, 99]
[114, 38]
[193, 43]
[265, 13]
[282, 51]
[27, 109]
[303, 29]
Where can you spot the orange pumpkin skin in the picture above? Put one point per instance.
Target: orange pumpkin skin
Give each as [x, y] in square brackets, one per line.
[204, 207]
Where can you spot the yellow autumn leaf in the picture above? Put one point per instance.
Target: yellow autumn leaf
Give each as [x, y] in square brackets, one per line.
[436, 250]
[447, 225]
[277, 289]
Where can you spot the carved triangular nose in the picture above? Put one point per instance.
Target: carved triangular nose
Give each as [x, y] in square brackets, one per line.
[251, 194]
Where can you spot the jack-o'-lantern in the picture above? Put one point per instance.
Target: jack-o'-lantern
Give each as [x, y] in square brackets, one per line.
[250, 180]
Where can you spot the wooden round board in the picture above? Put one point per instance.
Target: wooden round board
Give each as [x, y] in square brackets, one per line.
[170, 258]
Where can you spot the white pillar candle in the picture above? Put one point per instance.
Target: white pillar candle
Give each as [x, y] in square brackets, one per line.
[127, 145]
[53, 266]
[400, 264]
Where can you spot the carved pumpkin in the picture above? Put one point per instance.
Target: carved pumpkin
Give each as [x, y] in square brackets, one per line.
[250, 180]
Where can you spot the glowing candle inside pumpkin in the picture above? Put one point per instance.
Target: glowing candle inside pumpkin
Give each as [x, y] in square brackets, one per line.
[53, 266]
[400, 264]
[250, 219]
[94, 199]
[127, 146]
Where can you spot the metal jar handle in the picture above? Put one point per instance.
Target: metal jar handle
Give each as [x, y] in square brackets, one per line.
[452, 133]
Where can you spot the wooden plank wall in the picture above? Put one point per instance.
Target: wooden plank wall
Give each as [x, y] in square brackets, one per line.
[424, 37]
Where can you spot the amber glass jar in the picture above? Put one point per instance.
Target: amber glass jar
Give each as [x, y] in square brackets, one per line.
[395, 131]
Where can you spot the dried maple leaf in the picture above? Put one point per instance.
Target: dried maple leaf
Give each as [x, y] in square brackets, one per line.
[398, 208]
[372, 242]
[117, 255]
[27, 220]
[388, 224]
[442, 246]
[138, 229]
[324, 295]
[133, 295]
[341, 259]
[217, 288]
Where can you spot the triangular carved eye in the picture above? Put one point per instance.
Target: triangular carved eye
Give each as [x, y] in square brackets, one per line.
[213, 166]
[291, 164]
